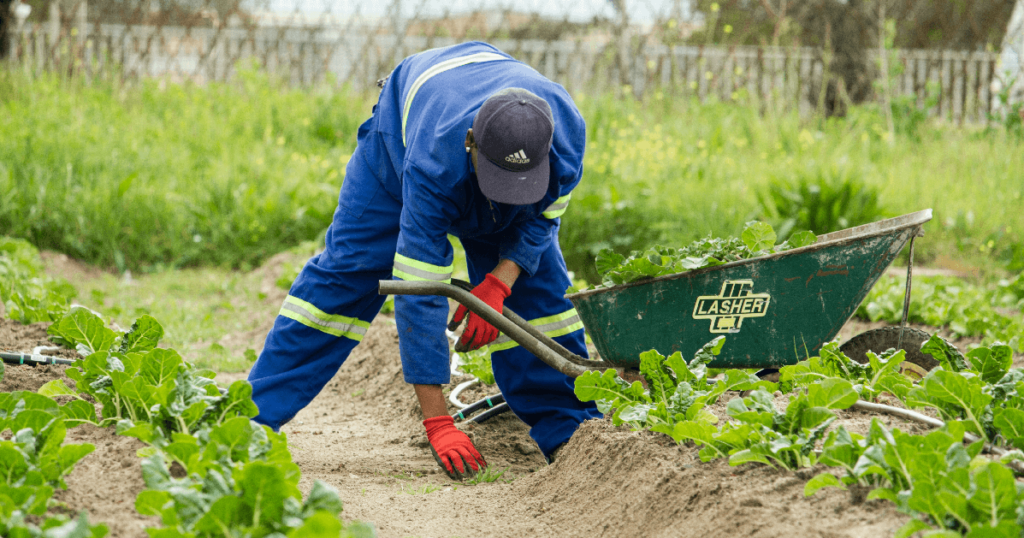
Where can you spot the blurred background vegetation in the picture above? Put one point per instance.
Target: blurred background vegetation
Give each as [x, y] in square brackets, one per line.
[155, 175]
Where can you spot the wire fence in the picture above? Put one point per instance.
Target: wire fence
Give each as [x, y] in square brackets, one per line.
[588, 46]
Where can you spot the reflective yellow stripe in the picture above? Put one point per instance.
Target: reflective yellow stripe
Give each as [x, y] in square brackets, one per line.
[333, 324]
[557, 208]
[410, 270]
[553, 326]
[437, 70]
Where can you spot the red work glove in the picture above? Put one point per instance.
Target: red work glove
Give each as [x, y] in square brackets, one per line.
[478, 332]
[451, 446]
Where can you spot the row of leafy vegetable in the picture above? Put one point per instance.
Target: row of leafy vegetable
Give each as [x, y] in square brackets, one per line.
[941, 478]
[991, 311]
[27, 294]
[209, 469]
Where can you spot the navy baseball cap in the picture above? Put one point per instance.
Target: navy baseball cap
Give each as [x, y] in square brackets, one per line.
[513, 131]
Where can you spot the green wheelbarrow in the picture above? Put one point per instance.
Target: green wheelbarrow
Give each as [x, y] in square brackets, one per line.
[775, 310]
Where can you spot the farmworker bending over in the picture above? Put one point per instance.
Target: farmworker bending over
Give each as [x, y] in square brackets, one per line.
[466, 141]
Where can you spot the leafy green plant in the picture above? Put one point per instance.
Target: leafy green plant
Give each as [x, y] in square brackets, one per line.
[477, 363]
[141, 386]
[677, 391]
[760, 433]
[26, 292]
[823, 198]
[33, 462]
[757, 239]
[488, 475]
[880, 374]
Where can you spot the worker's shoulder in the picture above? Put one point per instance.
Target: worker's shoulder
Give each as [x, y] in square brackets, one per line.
[425, 60]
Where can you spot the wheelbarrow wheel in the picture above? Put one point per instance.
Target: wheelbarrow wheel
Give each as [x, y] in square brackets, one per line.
[879, 340]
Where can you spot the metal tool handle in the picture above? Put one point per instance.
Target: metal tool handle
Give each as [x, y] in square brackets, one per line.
[32, 360]
[518, 329]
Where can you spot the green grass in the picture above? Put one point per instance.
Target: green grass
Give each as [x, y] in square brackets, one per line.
[158, 175]
[672, 170]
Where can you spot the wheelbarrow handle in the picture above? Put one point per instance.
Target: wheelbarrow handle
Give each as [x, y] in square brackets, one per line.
[534, 332]
[530, 338]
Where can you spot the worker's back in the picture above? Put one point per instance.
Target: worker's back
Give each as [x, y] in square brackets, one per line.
[428, 103]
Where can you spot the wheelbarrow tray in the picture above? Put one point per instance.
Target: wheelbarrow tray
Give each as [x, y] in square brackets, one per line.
[774, 310]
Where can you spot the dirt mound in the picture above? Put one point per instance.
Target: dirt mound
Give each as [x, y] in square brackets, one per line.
[610, 481]
[106, 482]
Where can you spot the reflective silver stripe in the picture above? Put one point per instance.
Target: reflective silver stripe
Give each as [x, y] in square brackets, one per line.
[556, 207]
[437, 70]
[331, 327]
[546, 328]
[420, 273]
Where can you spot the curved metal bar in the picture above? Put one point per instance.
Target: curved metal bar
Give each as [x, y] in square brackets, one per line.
[503, 324]
[543, 338]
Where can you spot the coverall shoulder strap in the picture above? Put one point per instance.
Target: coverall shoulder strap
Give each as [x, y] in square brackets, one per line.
[439, 68]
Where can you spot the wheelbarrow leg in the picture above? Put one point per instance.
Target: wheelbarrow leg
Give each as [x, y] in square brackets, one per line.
[906, 294]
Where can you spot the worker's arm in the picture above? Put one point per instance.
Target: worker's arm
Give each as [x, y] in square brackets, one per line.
[423, 253]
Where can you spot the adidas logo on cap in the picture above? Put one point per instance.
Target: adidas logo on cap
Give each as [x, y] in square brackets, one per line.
[518, 157]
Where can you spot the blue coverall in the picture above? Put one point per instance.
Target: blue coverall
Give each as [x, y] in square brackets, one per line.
[408, 185]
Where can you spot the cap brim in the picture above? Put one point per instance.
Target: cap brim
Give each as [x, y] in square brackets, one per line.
[516, 188]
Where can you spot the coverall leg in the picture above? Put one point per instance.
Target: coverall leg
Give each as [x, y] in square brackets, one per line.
[538, 394]
[333, 300]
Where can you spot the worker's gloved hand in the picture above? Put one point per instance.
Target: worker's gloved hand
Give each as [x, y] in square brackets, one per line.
[478, 332]
[452, 448]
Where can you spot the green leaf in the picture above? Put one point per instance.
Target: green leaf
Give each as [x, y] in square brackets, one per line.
[239, 401]
[660, 383]
[322, 498]
[1002, 529]
[699, 432]
[758, 236]
[802, 239]
[56, 387]
[78, 412]
[321, 524]
[593, 385]
[608, 260]
[264, 490]
[995, 493]
[832, 393]
[911, 527]
[144, 335]
[82, 327]
[883, 493]
[152, 502]
[143, 431]
[991, 363]
[820, 481]
[748, 456]
[160, 366]
[947, 354]
[227, 513]
[1010, 422]
[69, 455]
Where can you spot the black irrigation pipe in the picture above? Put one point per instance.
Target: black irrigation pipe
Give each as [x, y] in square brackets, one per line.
[490, 413]
[32, 360]
[489, 403]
